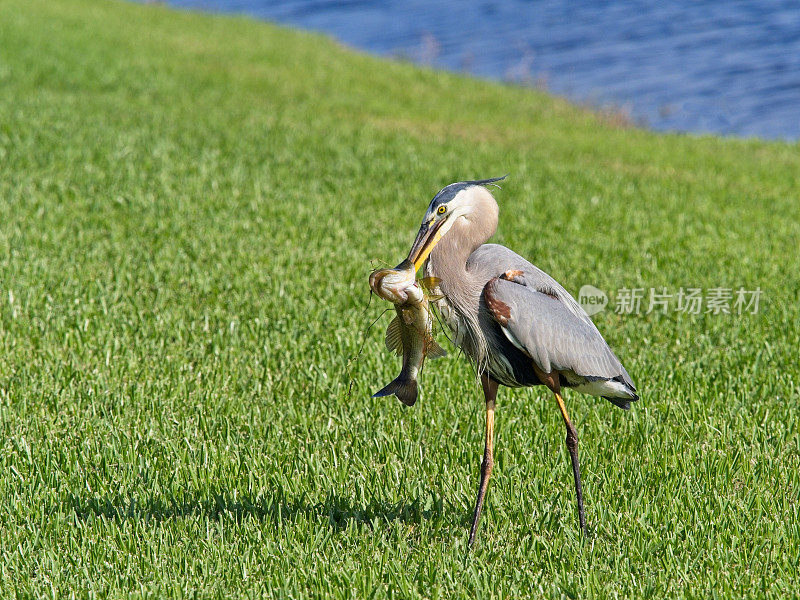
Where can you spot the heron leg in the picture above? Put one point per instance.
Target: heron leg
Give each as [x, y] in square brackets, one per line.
[572, 446]
[490, 392]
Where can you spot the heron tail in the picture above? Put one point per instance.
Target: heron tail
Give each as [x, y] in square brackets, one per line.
[405, 389]
[627, 393]
[621, 402]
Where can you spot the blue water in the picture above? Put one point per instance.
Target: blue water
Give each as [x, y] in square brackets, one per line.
[701, 66]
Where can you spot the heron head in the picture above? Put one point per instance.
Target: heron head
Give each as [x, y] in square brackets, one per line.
[452, 202]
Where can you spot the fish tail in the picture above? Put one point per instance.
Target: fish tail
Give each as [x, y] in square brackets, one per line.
[404, 388]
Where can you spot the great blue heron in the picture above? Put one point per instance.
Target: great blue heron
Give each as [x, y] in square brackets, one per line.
[518, 324]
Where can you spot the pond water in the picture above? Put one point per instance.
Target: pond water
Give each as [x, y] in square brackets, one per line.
[725, 67]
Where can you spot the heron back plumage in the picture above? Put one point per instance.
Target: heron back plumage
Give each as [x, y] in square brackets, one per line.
[544, 324]
[543, 327]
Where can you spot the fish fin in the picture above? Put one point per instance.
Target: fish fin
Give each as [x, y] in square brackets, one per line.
[406, 391]
[435, 350]
[430, 283]
[394, 338]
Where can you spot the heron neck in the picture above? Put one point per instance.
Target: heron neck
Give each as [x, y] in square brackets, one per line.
[461, 288]
[448, 261]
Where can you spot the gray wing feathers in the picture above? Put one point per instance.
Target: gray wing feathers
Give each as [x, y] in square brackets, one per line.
[533, 276]
[553, 335]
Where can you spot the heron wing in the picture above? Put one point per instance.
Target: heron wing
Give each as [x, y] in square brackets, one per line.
[542, 326]
[531, 276]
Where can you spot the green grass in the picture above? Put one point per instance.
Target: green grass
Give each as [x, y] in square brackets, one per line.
[189, 210]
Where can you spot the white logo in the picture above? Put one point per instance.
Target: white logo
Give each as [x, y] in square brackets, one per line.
[592, 300]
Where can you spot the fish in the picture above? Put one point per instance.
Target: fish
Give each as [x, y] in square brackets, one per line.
[411, 331]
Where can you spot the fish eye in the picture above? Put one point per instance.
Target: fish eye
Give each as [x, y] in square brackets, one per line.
[441, 210]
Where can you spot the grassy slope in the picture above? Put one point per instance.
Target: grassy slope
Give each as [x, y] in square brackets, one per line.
[189, 208]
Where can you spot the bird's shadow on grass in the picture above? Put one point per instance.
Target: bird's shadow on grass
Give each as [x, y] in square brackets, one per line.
[335, 511]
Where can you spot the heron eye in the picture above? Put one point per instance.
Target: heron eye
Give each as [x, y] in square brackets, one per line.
[442, 209]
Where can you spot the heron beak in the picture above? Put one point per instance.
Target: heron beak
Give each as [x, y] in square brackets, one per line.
[425, 241]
